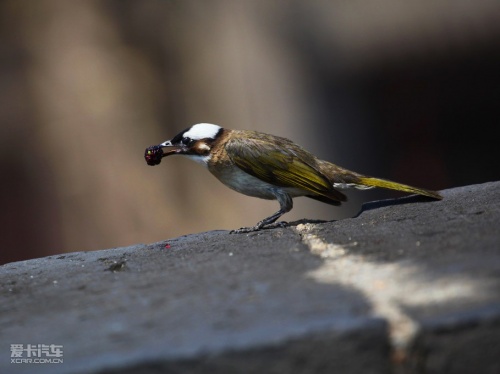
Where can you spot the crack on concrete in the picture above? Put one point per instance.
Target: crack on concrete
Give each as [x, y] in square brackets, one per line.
[389, 287]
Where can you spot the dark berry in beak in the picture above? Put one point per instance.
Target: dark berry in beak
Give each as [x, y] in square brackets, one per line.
[153, 155]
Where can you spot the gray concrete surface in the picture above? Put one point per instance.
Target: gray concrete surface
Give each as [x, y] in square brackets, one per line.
[407, 286]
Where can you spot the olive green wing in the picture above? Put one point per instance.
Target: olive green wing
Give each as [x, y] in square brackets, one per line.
[280, 162]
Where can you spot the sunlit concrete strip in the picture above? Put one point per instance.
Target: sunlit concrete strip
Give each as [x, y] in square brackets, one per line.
[389, 287]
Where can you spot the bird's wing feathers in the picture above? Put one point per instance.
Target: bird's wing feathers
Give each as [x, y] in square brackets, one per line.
[283, 167]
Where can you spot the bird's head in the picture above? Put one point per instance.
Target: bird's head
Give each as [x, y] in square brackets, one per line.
[195, 142]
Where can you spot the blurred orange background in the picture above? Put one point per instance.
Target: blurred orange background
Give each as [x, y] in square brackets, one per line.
[401, 90]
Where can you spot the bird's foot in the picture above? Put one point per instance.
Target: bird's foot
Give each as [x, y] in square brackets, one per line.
[245, 230]
[259, 226]
[277, 224]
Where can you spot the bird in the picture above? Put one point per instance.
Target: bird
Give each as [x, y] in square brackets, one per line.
[268, 167]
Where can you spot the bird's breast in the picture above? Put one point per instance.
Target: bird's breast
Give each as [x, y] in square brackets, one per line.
[242, 182]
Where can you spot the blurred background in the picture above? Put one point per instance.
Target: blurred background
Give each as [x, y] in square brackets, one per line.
[407, 91]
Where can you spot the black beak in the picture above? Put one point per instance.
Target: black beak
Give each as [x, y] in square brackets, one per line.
[155, 153]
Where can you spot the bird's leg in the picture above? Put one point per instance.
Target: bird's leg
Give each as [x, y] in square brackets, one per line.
[266, 221]
[286, 205]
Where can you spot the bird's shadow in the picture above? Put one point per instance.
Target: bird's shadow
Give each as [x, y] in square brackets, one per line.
[371, 205]
[412, 199]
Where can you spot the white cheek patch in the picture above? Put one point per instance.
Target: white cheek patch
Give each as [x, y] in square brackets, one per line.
[202, 131]
[203, 147]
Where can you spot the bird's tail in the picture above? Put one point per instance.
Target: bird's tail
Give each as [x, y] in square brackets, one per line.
[382, 183]
[342, 178]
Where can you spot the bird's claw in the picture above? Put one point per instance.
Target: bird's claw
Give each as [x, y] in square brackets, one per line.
[246, 230]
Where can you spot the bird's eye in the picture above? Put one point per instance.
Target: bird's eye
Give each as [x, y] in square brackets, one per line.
[186, 141]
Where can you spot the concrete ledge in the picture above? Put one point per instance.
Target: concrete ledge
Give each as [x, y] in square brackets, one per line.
[407, 286]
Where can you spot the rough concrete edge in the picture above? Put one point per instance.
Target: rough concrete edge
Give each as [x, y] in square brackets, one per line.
[443, 345]
[311, 352]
